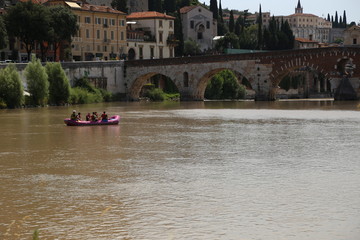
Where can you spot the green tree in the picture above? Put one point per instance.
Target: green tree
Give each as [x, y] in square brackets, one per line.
[63, 24]
[336, 22]
[249, 37]
[224, 85]
[3, 34]
[170, 6]
[214, 8]
[344, 20]
[214, 88]
[59, 85]
[260, 37]
[179, 49]
[152, 5]
[231, 22]
[191, 47]
[37, 82]
[11, 87]
[230, 40]
[120, 5]
[29, 22]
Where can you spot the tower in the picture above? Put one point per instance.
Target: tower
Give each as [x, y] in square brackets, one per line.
[299, 9]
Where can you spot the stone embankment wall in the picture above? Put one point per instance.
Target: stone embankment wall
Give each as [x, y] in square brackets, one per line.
[111, 71]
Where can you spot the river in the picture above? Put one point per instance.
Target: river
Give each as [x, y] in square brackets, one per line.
[190, 170]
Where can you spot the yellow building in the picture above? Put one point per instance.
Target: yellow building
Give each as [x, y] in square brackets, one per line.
[102, 31]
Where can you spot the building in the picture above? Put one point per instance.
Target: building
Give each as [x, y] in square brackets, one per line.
[352, 36]
[253, 18]
[102, 31]
[198, 24]
[308, 26]
[304, 43]
[150, 35]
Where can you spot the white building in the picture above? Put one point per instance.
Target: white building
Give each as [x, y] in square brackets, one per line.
[198, 24]
[150, 35]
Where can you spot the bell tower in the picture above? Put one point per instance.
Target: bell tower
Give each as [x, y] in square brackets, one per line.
[299, 9]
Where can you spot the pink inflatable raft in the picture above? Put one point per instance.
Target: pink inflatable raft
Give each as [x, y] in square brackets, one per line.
[111, 121]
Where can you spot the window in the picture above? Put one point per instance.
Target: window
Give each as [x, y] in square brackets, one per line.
[122, 23]
[151, 52]
[112, 35]
[171, 24]
[105, 49]
[192, 24]
[199, 35]
[113, 22]
[141, 52]
[160, 52]
[87, 33]
[207, 24]
[98, 34]
[87, 20]
[160, 37]
[354, 41]
[105, 22]
[160, 23]
[122, 36]
[105, 34]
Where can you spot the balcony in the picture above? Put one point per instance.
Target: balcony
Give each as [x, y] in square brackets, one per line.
[77, 39]
[106, 40]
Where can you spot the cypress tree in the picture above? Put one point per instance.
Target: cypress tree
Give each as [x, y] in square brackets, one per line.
[328, 17]
[344, 20]
[336, 23]
[169, 6]
[214, 9]
[152, 6]
[231, 22]
[220, 11]
[260, 31]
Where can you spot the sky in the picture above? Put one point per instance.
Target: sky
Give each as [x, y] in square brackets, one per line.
[320, 8]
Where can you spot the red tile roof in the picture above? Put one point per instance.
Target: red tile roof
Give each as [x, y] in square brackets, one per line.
[147, 15]
[305, 40]
[187, 9]
[96, 8]
[302, 15]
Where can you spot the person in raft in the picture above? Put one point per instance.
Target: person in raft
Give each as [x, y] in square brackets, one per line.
[73, 115]
[94, 117]
[88, 117]
[104, 117]
[78, 117]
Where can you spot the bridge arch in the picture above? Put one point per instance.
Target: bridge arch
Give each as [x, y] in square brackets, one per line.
[286, 69]
[140, 81]
[204, 80]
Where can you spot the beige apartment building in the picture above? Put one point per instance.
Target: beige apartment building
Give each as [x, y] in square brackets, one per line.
[102, 31]
[150, 35]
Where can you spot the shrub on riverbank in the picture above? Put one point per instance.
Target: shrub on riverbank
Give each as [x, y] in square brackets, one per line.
[83, 92]
[59, 88]
[37, 82]
[225, 85]
[11, 88]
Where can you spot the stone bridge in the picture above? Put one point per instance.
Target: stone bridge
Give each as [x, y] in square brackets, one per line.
[263, 70]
